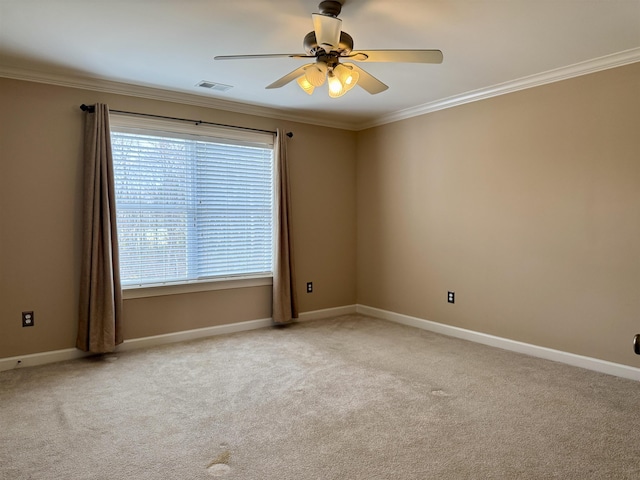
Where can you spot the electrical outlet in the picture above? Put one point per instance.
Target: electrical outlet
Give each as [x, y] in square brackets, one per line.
[451, 297]
[309, 287]
[27, 319]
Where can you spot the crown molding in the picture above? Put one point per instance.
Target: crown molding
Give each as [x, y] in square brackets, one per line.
[154, 93]
[583, 68]
[89, 83]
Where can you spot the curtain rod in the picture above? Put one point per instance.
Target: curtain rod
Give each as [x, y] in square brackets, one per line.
[91, 109]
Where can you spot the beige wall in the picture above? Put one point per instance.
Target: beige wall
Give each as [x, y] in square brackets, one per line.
[526, 205]
[40, 174]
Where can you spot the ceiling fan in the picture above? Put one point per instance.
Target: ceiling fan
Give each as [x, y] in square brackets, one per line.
[328, 44]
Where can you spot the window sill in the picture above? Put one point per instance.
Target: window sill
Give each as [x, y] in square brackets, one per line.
[136, 291]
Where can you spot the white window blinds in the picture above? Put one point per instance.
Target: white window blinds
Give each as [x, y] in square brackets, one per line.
[192, 207]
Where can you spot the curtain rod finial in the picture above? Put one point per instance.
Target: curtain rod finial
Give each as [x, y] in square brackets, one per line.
[87, 108]
[290, 134]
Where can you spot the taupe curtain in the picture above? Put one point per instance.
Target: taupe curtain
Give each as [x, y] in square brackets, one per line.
[285, 301]
[100, 310]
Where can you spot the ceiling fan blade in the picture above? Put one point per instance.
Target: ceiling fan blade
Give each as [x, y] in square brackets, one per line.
[327, 30]
[367, 81]
[288, 77]
[400, 56]
[270, 55]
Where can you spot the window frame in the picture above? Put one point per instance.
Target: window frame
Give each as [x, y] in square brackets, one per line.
[199, 131]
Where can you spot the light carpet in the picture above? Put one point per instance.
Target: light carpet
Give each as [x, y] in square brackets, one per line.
[344, 398]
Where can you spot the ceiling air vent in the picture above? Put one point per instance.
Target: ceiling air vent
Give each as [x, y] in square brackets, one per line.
[218, 87]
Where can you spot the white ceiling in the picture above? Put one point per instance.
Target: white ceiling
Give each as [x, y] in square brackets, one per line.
[489, 46]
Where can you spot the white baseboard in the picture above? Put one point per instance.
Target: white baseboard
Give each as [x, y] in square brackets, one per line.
[327, 312]
[589, 363]
[43, 358]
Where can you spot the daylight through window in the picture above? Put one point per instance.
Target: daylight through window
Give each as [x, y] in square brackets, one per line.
[193, 202]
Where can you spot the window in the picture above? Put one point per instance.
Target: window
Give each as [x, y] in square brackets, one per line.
[193, 202]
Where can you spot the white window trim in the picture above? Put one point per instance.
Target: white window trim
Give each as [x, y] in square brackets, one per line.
[139, 124]
[162, 289]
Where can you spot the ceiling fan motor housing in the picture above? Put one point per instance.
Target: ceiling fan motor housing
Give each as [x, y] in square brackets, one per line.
[311, 46]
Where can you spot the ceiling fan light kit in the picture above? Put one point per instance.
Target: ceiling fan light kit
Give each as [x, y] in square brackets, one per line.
[327, 44]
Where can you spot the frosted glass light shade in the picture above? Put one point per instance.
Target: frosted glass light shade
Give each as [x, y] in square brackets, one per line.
[316, 73]
[348, 77]
[305, 85]
[336, 88]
